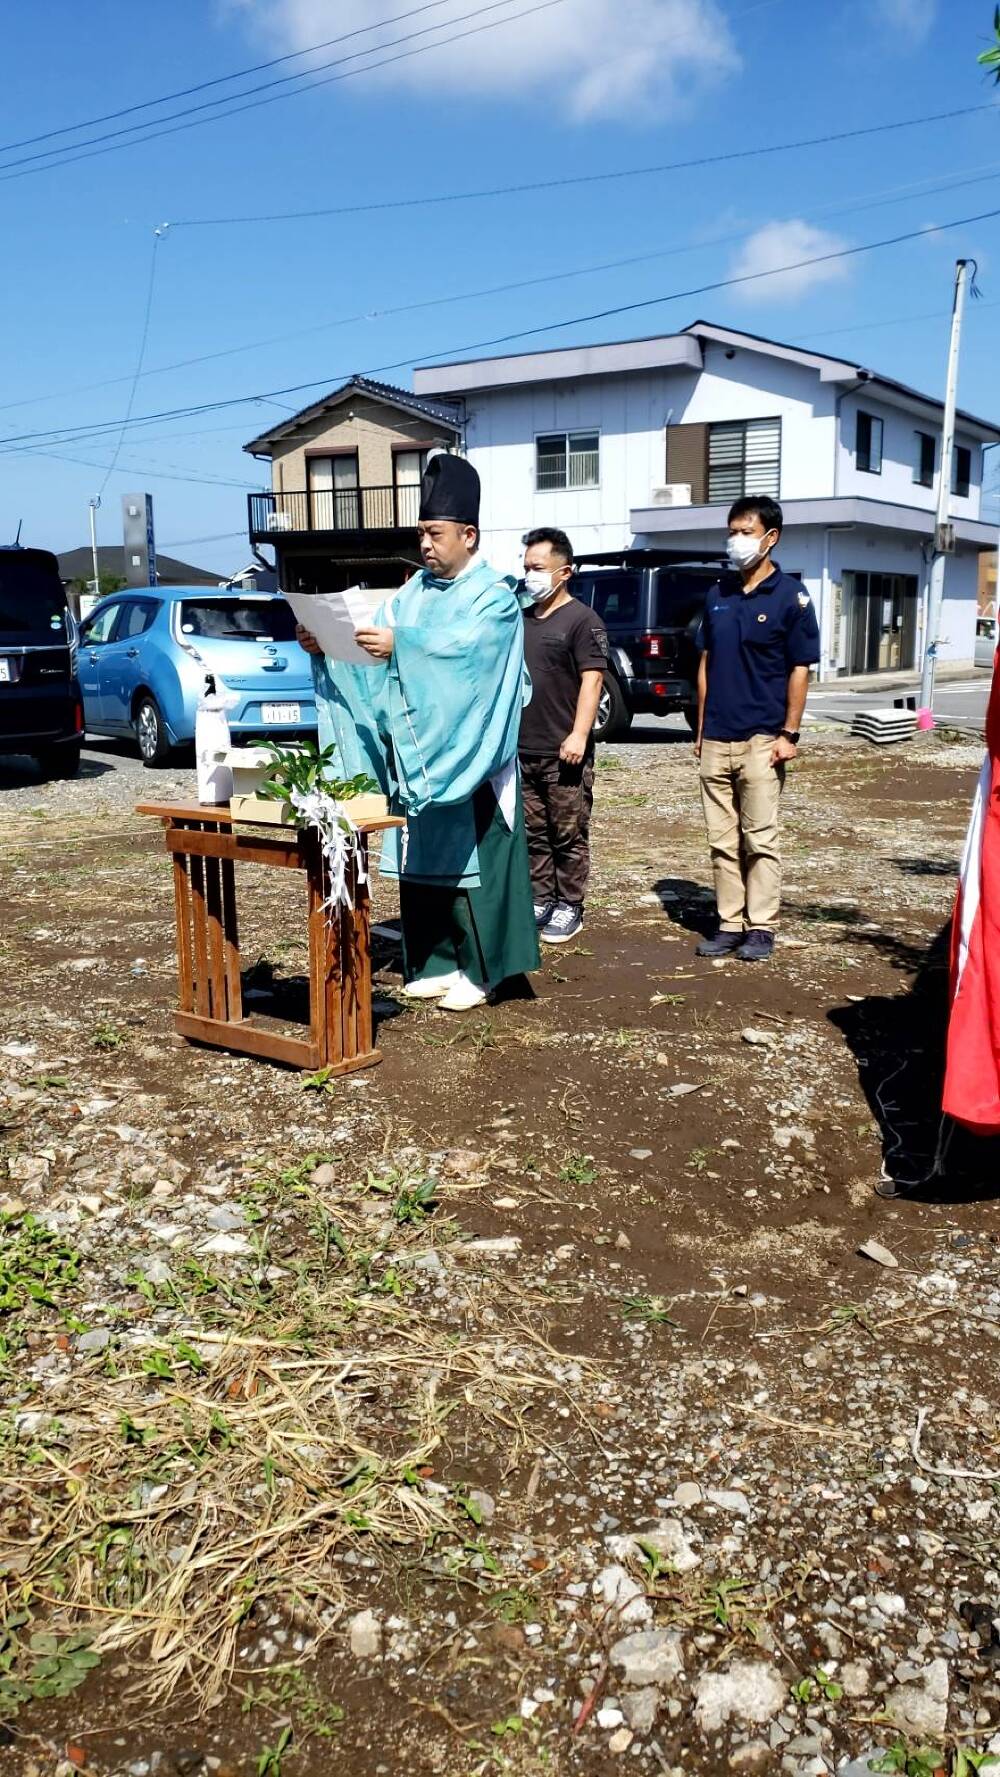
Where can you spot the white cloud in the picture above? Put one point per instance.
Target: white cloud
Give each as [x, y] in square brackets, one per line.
[909, 20]
[786, 243]
[587, 58]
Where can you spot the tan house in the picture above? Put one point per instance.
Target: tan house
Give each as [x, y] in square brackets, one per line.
[987, 602]
[345, 485]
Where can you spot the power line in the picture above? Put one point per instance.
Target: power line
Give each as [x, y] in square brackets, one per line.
[57, 158]
[186, 92]
[670, 166]
[890, 195]
[450, 354]
[55, 456]
[138, 366]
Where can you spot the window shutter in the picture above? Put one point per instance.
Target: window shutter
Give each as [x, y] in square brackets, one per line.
[763, 457]
[687, 459]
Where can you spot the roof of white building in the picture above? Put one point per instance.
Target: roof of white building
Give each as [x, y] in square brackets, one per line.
[683, 350]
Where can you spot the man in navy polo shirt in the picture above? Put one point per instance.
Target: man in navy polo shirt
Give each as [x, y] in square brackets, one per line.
[758, 637]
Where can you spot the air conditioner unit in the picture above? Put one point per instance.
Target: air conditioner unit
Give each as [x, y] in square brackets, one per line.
[675, 493]
[279, 521]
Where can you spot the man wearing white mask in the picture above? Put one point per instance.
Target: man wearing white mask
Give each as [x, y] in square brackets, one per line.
[565, 652]
[759, 637]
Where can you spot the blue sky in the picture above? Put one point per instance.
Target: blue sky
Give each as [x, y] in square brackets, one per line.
[574, 88]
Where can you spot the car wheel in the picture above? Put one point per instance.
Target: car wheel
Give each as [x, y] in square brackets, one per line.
[150, 732]
[614, 717]
[60, 762]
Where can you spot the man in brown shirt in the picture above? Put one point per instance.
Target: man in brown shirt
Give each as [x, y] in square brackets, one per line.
[565, 652]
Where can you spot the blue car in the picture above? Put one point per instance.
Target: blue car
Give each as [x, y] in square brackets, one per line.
[144, 657]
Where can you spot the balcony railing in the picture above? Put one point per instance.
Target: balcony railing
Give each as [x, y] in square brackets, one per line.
[334, 509]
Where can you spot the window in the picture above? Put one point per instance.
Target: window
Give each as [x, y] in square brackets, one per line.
[137, 619]
[744, 457]
[407, 469]
[238, 620]
[926, 464]
[98, 628]
[333, 492]
[961, 471]
[567, 459]
[868, 444]
[614, 596]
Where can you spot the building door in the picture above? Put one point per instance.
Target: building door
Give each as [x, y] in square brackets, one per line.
[333, 492]
[881, 622]
[408, 467]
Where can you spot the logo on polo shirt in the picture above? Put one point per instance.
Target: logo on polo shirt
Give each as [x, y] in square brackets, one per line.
[762, 617]
[804, 599]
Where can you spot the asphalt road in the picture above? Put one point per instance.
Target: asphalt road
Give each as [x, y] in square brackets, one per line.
[958, 703]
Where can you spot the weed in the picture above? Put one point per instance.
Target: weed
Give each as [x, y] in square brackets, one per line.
[269, 1762]
[514, 1605]
[698, 1159]
[416, 1200]
[287, 1689]
[35, 1263]
[817, 1682]
[323, 1080]
[510, 1724]
[668, 999]
[929, 1761]
[107, 1035]
[852, 1314]
[578, 1169]
[46, 1667]
[654, 1310]
[657, 1563]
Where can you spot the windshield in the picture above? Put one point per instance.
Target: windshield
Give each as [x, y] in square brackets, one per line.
[237, 620]
[32, 600]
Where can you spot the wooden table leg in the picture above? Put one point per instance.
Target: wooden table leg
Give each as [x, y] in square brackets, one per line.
[361, 956]
[325, 998]
[231, 940]
[216, 959]
[200, 931]
[182, 910]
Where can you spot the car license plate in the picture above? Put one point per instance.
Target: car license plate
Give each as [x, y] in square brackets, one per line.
[5, 673]
[281, 712]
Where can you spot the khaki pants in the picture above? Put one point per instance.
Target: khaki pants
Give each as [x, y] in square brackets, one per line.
[739, 795]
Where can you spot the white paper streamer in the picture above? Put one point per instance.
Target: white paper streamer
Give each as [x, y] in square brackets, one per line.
[339, 843]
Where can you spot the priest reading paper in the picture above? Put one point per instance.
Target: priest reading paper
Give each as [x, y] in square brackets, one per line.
[437, 722]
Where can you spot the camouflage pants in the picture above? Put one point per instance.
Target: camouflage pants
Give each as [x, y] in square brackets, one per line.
[558, 799]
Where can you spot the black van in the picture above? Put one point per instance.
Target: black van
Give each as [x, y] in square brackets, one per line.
[651, 601]
[41, 711]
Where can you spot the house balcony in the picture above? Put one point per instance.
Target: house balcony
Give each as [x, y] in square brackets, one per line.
[332, 512]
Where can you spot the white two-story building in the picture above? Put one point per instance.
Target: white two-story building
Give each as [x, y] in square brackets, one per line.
[648, 441]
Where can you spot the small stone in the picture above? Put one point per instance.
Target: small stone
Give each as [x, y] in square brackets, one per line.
[226, 1217]
[922, 1709]
[365, 1632]
[641, 1153]
[323, 1175]
[890, 1604]
[621, 1741]
[748, 1691]
[978, 1510]
[640, 1707]
[667, 1538]
[880, 1255]
[485, 1503]
[98, 1339]
[503, 1246]
[618, 1591]
[609, 1718]
[758, 1039]
[651, 1657]
[750, 1757]
[687, 1494]
[234, 1245]
[730, 1500]
[188, 1761]
[856, 1679]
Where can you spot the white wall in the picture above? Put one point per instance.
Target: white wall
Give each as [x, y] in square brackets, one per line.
[751, 385]
[899, 459]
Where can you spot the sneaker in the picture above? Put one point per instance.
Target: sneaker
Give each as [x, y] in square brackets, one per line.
[756, 946]
[543, 913]
[464, 996]
[723, 944]
[431, 987]
[564, 924]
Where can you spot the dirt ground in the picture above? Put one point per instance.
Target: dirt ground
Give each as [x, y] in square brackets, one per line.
[523, 1404]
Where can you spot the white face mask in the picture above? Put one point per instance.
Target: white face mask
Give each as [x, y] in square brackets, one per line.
[743, 551]
[537, 587]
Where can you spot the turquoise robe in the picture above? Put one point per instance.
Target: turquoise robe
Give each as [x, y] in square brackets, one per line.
[434, 725]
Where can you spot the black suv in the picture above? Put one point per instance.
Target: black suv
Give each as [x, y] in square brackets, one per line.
[651, 601]
[41, 711]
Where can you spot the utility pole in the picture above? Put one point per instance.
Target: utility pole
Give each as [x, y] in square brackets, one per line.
[93, 544]
[944, 536]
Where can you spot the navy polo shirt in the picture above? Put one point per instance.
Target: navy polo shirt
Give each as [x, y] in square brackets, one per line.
[753, 641]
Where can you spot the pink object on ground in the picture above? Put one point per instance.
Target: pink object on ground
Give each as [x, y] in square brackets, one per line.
[925, 719]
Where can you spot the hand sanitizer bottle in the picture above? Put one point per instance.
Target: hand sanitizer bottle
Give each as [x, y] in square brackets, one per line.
[212, 742]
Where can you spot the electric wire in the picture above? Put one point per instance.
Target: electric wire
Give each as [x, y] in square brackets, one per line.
[186, 92]
[447, 355]
[872, 201]
[58, 158]
[562, 183]
[138, 366]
